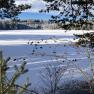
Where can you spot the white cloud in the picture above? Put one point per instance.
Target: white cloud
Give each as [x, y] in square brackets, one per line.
[36, 4]
[23, 1]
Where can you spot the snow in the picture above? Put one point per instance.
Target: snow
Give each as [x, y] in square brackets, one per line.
[53, 47]
[38, 32]
[43, 32]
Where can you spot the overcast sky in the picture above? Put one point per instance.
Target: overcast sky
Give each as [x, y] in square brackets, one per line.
[36, 4]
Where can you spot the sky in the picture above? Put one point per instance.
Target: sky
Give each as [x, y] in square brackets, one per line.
[33, 12]
[34, 15]
[36, 4]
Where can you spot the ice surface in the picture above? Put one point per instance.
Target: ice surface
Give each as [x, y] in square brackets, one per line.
[49, 47]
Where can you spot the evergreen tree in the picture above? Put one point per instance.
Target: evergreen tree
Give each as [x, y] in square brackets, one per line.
[72, 14]
[9, 86]
[8, 8]
[86, 39]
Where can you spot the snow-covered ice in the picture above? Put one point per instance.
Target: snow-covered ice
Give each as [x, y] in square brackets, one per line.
[49, 47]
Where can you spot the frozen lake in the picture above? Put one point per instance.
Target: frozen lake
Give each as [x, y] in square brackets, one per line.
[41, 48]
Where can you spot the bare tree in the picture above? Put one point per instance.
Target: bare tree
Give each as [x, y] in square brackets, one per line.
[52, 79]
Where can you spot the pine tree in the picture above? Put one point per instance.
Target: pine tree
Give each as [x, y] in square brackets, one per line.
[72, 14]
[9, 86]
[8, 8]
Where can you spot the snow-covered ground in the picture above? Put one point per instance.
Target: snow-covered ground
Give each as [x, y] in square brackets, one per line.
[41, 48]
